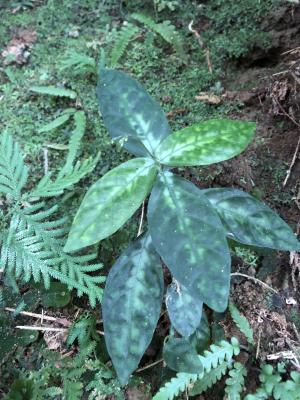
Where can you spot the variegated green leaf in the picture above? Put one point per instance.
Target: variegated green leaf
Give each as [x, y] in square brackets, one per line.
[249, 221]
[181, 356]
[184, 309]
[111, 201]
[131, 305]
[189, 236]
[130, 113]
[206, 143]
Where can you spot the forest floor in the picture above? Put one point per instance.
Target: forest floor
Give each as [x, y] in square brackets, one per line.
[261, 84]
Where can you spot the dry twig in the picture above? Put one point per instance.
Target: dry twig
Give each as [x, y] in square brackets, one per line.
[202, 45]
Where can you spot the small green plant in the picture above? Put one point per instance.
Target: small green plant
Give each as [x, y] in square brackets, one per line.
[187, 227]
[32, 236]
[219, 361]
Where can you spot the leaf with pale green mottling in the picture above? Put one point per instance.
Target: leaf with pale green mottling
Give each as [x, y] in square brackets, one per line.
[249, 221]
[206, 143]
[190, 238]
[131, 305]
[181, 356]
[111, 201]
[129, 112]
[184, 309]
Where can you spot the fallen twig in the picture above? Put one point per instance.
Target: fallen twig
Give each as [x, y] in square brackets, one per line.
[150, 365]
[62, 321]
[255, 280]
[46, 329]
[202, 46]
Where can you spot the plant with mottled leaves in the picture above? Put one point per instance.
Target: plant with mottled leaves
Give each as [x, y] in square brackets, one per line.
[188, 228]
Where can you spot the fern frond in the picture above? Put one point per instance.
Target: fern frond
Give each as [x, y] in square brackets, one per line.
[241, 322]
[13, 171]
[209, 379]
[33, 248]
[219, 353]
[165, 30]
[235, 383]
[83, 330]
[80, 63]
[54, 91]
[175, 386]
[56, 123]
[74, 143]
[48, 188]
[122, 40]
[210, 360]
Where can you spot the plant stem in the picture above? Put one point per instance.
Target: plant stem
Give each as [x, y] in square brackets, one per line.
[62, 321]
[150, 365]
[255, 280]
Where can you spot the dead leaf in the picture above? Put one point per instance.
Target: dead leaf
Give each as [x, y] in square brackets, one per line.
[291, 301]
[209, 98]
[18, 49]
[55, 340]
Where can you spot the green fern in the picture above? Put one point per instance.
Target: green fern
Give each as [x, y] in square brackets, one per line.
[209, 379]
[56, 123]
[235, 383]
[54, 91]
[242, 323]
[165, 30]
[272, 385]
[33, 248]
[212, 359]
[122, 40]
[80, 63]
[83, 330]
[70, 173]
[74, 143]
[48, 188]
[13, 171]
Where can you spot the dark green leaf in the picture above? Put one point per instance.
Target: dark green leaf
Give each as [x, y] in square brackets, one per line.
[189, 236]
[251, 222]
[57, 295]
[21, 389]
[111, 201]
[200, 339]
[11, 338]
[129, 112]
[181, 356]
[184, 309]
[206, 143]
[131, 305]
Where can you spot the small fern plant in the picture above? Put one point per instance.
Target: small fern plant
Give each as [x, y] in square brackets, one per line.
[32, 236]
[188, 228]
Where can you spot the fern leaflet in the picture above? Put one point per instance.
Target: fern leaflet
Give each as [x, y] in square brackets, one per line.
[209, 379]
[13, 171]
[56, 123]
[235, 383]
[48, 188]
[122, 41]
[210, 360]
[54, 91]
[80, 63]
[241, 322]
[74, 143]
[165, 29]
[33, 248]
